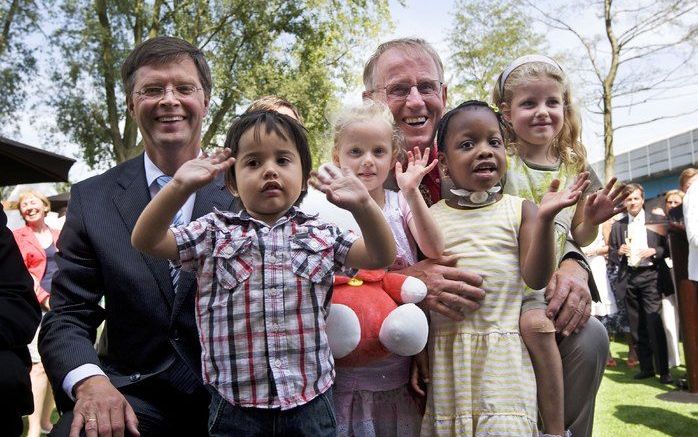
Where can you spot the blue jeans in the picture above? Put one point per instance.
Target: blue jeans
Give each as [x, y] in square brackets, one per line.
[316, 418]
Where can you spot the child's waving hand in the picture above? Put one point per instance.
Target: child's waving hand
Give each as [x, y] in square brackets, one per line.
[201, 171]
[554, 201]
[416, 169]
[605, 203]
[342, 187]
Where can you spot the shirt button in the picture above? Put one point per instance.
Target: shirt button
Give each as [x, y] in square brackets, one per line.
[135, 377]
[277, 363]
[275, 327]
[271, 259]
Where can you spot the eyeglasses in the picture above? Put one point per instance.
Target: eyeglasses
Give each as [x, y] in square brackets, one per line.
[400, 91]
[159, 92]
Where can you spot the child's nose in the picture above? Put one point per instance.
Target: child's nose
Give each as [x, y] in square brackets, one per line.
[270, 171]
[484, 152]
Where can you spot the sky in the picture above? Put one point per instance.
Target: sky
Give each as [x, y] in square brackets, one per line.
[431, 20]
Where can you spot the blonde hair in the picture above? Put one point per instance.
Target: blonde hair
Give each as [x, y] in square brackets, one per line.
[369, 110]
[33, 193]
[673, 193]
[273, 103]
[567, 144]
[686, 175]
[409, 45]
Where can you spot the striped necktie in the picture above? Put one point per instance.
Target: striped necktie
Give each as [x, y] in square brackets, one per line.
[178, 220]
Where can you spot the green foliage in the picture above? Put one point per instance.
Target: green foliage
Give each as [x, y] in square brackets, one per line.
[486, 35]
[301, 50]
[18, 20]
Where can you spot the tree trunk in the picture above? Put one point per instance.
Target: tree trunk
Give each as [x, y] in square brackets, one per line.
[609, 156]
[5, 38]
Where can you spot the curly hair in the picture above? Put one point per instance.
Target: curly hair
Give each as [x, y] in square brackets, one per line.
[442, 128]
[567, 145]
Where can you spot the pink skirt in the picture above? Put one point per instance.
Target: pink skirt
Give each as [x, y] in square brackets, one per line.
[364, 413]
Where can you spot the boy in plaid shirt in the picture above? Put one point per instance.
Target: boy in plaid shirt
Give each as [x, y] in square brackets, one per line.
[265, 275]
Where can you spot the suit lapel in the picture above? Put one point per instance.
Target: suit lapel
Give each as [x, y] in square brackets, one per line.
[213, 195]
[130, 202]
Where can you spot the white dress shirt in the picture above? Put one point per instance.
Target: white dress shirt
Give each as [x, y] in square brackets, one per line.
[637, 240]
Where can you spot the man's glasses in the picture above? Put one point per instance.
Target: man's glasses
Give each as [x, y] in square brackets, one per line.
[158, 92]
[400, 91]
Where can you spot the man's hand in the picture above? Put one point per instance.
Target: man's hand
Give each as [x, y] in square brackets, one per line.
[450, 290]
[569, 298]
[624, 249]
[648, 253]
[101, 410]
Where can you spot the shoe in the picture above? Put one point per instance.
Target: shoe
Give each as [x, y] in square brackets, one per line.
[633, 363]
[644, 375]
[666, 379]
[611, 362]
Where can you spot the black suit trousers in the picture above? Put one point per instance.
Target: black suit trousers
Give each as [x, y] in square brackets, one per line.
[644, 304]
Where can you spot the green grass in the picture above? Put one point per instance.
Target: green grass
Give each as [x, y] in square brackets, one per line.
[625, 407]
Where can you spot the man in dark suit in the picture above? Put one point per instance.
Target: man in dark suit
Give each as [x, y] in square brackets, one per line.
[147, 373]
[19, 318]
[638, 252]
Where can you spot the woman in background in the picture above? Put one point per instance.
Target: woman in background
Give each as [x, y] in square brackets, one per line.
[606, 309]
[37, 243]
[670, 317]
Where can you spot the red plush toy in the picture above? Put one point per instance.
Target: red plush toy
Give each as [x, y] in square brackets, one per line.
[366, 324]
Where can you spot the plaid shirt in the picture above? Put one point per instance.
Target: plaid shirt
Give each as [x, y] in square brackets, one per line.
[264, 294]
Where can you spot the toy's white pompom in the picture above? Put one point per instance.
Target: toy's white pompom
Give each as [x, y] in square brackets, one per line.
[405, 330]
[343, 330]
[413, 290]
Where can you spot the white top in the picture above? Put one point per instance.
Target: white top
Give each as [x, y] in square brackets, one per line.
[690, 217]
[637, 240]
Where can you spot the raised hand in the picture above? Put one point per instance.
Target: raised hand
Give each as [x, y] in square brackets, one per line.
[555, 201]
[605, 203]
[341, 187]
[416, 169]
[201, 171]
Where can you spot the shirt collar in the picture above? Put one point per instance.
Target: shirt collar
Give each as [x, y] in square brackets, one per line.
[152, 171]
[244, 216]
[640, 217]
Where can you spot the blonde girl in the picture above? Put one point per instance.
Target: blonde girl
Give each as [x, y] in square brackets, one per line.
[543, 133]
[375, 400]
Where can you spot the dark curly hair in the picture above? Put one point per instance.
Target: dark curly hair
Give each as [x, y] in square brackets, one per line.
[442, 128]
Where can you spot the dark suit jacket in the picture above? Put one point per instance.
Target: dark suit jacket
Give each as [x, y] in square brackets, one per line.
[654, 240]
[19, 318]
[150, 329]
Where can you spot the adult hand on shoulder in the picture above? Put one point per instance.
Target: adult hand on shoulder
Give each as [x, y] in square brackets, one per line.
[569, 298]
[450, 290]
[102, 410]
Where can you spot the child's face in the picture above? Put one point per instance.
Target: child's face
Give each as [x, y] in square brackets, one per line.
[475, 157]
[366, 149]
[268, 175]
[537, 112]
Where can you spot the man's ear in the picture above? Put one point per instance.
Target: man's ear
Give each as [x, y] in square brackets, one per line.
[129, 105]
[506, 111]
